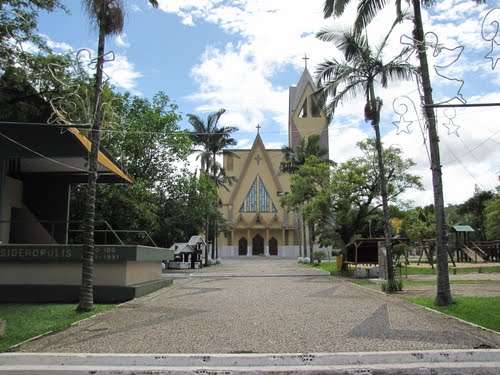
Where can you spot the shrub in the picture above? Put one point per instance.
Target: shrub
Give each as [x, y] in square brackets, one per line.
[300, 260]
[392, 286]
[318, 256]
[218, 261]
[307, 260]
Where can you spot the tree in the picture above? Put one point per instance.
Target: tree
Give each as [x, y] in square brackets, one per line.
[18, 22]
[149, 143]
[355, 191]
[360, 70]
[108, 18]
[292, 161]
[473, 209]
[214, 141]
[492, 222]
[366, 11]
[306, 184]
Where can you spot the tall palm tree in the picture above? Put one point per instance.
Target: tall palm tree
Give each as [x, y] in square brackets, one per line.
[292, 160]
[214, 141]
[367, 10]
[108, 18]
[358, 73]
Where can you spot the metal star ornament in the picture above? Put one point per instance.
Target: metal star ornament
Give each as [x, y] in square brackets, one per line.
[402, 125]
[452, 127]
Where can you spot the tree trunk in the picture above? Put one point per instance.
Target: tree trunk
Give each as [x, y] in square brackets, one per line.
[214, 248]
[311, 238]
[208, 243]
[304, 240]
[87, 285]
[383, 183]
[443, 294]
[298, 235]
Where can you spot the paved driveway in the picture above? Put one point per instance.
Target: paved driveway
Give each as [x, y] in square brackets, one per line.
[259, 305]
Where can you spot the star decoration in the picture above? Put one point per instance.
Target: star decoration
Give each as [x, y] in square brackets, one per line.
[402, 123]
[494, 54]
[452, 127]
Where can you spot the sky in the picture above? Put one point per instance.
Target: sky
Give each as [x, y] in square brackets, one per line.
[243, 55]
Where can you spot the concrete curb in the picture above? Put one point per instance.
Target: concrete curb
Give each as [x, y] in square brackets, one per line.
[409, 362]
[221, 274]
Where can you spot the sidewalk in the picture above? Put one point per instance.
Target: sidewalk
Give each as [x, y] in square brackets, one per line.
[294, 313]
[247, 315]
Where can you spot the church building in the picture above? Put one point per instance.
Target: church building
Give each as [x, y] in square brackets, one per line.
[258, 225]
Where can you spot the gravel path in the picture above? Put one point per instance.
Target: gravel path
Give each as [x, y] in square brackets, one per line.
[257, 305]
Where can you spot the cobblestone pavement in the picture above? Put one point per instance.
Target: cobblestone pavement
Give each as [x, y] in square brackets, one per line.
[295, 312]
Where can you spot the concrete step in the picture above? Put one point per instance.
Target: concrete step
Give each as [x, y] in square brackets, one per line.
[485, 362]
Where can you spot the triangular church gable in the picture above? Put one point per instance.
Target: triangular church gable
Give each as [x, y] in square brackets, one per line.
[259, 155]
[258, 220]
[240, 221]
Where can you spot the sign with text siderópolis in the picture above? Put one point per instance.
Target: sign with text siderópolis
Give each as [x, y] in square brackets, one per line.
[73, 253]
[56, 253]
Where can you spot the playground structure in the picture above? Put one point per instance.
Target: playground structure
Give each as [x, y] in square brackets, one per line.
[463, 247]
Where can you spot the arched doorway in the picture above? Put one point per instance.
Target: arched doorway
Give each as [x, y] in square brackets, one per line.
[242, 246]
[273, 246]
[258, 245]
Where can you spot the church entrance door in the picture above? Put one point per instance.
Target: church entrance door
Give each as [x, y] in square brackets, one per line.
[258, 245]
[242, 246]
[273, 246]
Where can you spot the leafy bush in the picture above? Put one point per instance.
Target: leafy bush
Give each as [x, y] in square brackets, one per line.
[392, 286]
[318, 256]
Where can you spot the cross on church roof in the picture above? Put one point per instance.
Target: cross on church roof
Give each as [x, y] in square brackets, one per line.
[258, 159]
[258, 128]
[305, 58]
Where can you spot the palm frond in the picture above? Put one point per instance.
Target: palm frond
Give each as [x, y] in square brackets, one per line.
[367, 10]
[334, 7]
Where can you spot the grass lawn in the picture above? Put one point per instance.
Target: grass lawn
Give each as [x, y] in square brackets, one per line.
[25, 321]
[483, 311]
[429, 271]
[330, 267]
[432, 282]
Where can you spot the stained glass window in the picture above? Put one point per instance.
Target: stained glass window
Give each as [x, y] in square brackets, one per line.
[265, 202]
[251, 200]
[264, 198]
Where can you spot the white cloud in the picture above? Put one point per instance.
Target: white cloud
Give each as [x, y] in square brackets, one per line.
[135, 8]
[61, 46]
[121, 41]
[123, 73]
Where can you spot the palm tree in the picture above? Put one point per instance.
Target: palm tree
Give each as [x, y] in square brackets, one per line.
[214, 141]
[292, 160]
[367, 10]
[361, 69]
[108, 18]
[221, 179]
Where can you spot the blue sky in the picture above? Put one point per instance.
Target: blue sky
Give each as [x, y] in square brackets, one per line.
[243, 55]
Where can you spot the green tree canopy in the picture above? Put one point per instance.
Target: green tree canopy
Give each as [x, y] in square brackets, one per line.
[492, 222]
[473, 209]
[355, 192]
